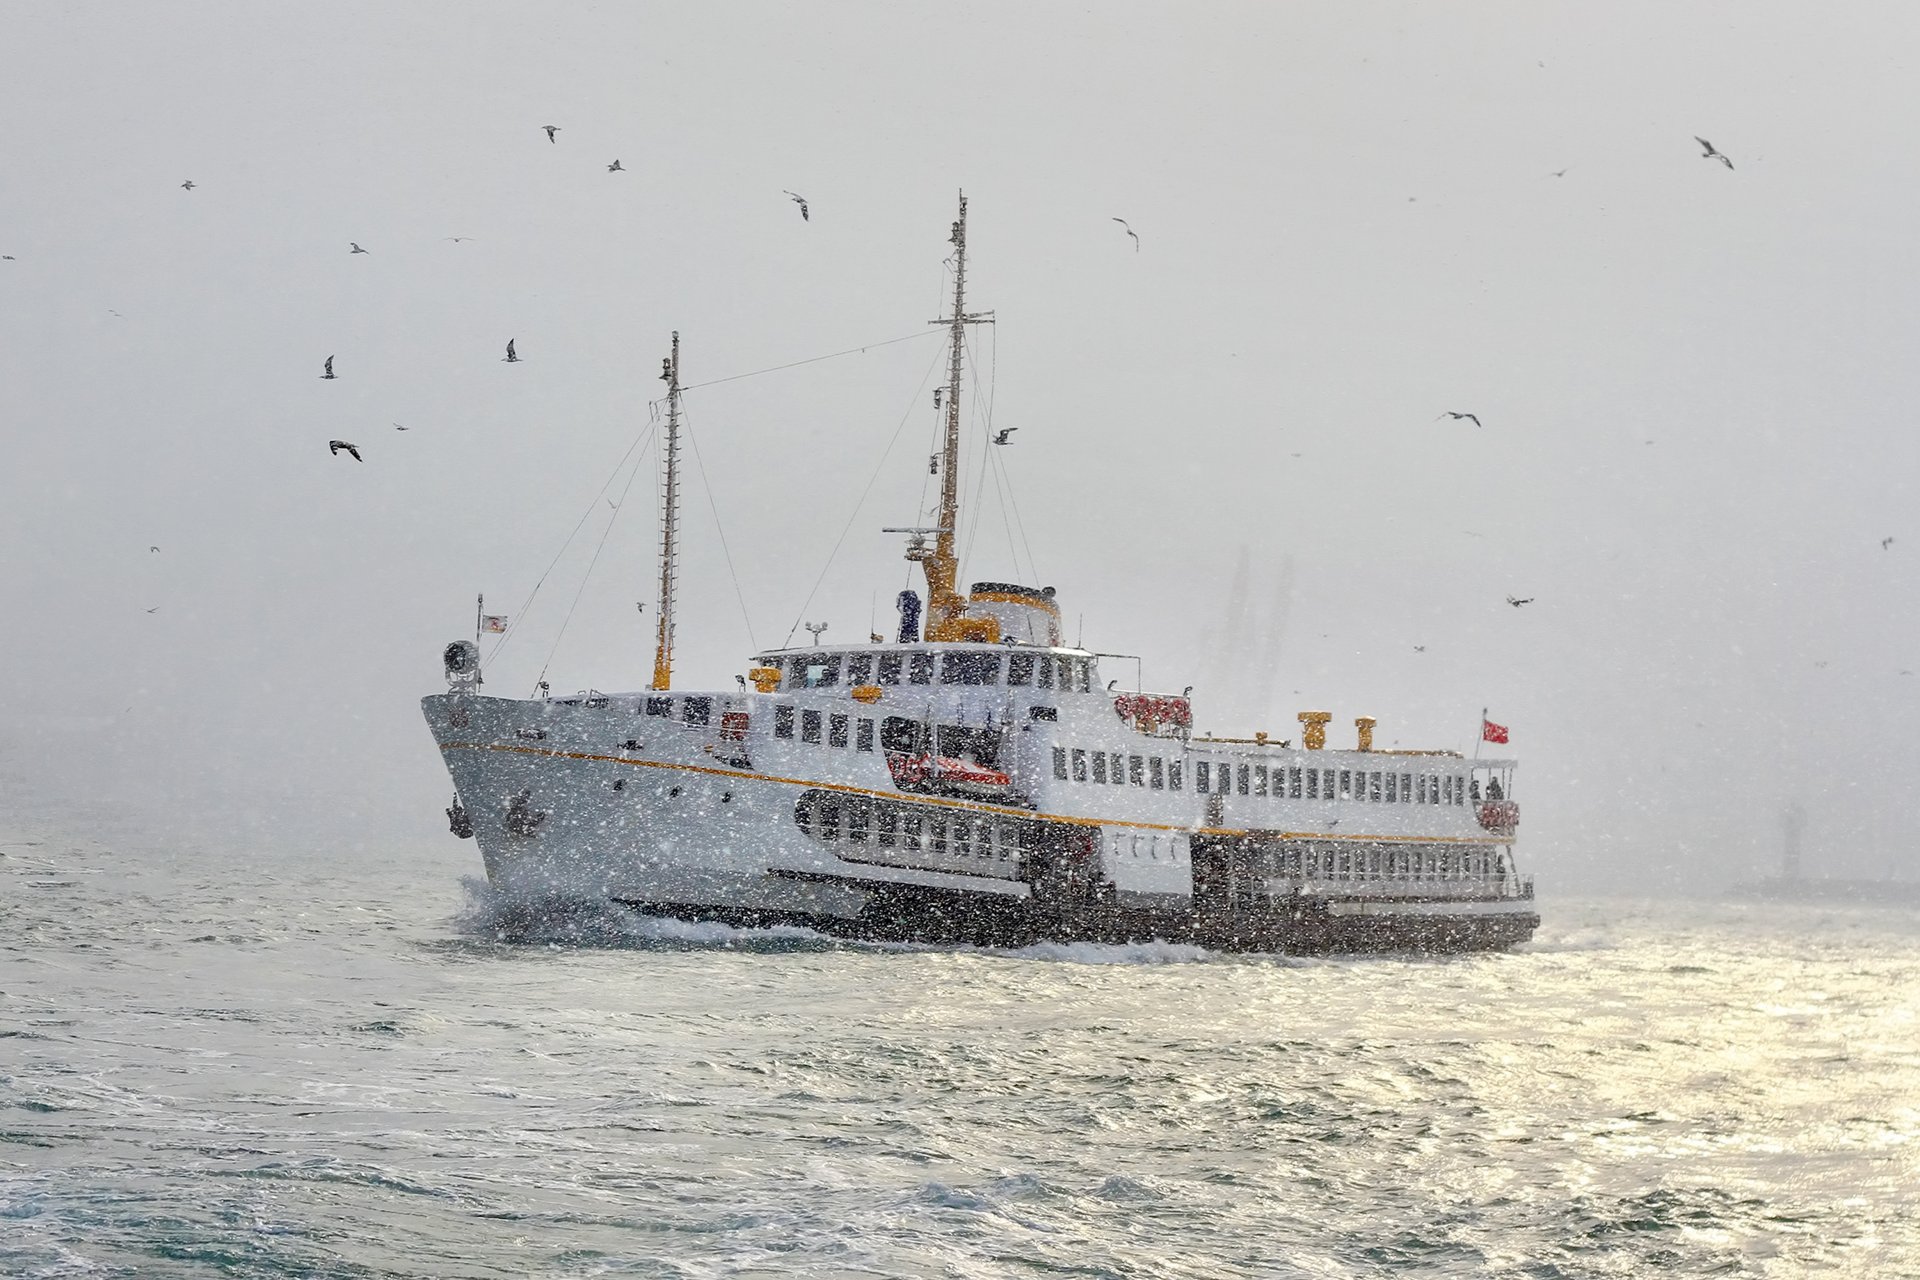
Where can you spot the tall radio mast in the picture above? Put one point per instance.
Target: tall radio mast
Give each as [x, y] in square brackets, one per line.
[663, 647]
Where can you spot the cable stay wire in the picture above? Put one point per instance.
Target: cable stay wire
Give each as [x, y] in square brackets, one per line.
[513, 626]
[686, 421]
[861, 501]
[832, 355]
[587, 576]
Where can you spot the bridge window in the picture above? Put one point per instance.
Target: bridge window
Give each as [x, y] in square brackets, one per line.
[1099, 766]
[810, 726]
[1259, 779]
[1020, 669]
[1044, 668]
[1084, 666]
[969, 668]
[1115, 765]
[889, 669]
[1079, 764]
[783, 722]
[1459, 794]
[1406, 788]
[1293, 782]
[1245, 779]
[837, 731]
[1346, 785]
[1156, 776]
[1393, 788]
[1136, 771]
[1313, 784]
[1060, 763]
[660, 706]
[1446, 789]
[919, 667]
[1174, 770]
[1202, 776]
[1373, 787]
[863, 736]
[818, 670]
[859, 667]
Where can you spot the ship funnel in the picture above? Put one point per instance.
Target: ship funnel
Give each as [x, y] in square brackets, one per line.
[1313, 729]
[1363, 725]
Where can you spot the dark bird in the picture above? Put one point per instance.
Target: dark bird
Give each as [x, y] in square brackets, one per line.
[187, 185]
[1000, 436]
[1419, 648]
[1517, 603]
[801, 201]
[615, 168]
[1473, 418]
[7, 257]
[398, 427]
[155, 609]
[458, 239]
[1559, 173]
[551, 130]
[1708, 152]
[329, 372]
[335, 446]
[354, 246]
[510, 358]
[153, 548]
[1131, 232]
[1886, 543]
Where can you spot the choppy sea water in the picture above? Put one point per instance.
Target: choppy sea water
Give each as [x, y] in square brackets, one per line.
[279, 1066]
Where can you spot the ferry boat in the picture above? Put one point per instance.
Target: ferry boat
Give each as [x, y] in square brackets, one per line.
[974, 780]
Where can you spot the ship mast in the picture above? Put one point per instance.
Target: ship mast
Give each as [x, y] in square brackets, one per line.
[670, 506]
[945, 606]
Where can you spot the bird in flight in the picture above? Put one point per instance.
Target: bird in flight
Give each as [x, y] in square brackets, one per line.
[187, 185]
[335, 446]
[7, 257]
[354, 245]
[801, 201]
[155, 609]
[1886, 543]
[615, 168]
[1708, 152]
[1131, 232]
[510, 358]
[398, 427]
[551, 130]
[1517, 603]
[458, 239]
[1559, 173]
[1473, 418]
[1419, 648]
[1000, 436]
[153, 548]
[329, 372]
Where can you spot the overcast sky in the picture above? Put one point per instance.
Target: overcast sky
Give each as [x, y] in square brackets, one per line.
[1694, 382]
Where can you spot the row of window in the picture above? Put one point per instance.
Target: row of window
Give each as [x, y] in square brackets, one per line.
[918, 666]
[811, 723]
[858, 821]
[1388, 864]
[1295, 782]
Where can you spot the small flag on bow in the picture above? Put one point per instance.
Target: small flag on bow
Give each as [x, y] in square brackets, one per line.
[495, 624]
[1491, 732]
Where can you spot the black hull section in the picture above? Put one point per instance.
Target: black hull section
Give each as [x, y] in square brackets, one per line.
[907, 913]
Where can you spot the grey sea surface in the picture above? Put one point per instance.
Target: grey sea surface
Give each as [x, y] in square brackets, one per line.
[266, 1065]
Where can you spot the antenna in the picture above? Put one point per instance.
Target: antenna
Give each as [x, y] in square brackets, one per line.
[669, 510]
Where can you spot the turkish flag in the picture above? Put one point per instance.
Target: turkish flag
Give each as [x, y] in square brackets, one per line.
[1492, 732]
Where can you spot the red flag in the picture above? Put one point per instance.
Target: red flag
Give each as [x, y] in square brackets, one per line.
[1492, 732]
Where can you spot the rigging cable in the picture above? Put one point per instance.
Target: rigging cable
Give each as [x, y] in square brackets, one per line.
[725, 550]
[586, 577]
[859, 502]
[832, 355]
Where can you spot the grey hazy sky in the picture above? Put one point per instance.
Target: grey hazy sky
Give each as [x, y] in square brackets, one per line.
[1695, 382]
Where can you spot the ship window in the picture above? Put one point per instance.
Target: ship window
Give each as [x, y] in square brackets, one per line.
[1060, 763]
[1079, 764]
[1313, 784]
[1259, 779]
[962, 837]
[696, 710]
[859, 667]
[1202, 776]
[886, 825]
[659, 706]
[910, 830]
[1245, 779]
[1136, 771]
[1085, 668]
[1020, 668]
[1406, 788]
[1114, 768]
[1346, 785]
[1419, 788]
[889, 672]
[1393, 788]
[783, 722]
[1044, 672]
[1100, 766]
[897, 733]
[1373, 787]
[859, 816]
[1174, 770]
[980, 746]
[937, 835]
[863, 736]
[810, 726]
[837, 731]
[1446, 789]
[1156, 775]
[829, 819]
[969, 668]
[919, 667]
[1293, 782]
[818, 670]
[1459, 796]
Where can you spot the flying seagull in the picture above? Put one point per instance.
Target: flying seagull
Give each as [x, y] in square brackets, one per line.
[7, 257]
[1000, 437]
[1559, 173]
[187, 185]
[1131, 232]
[1517, 603]
[398, 427]
[1886, 543]
[335, 446]
[329, 372]
[1456, 416]
[1419, 648]
[551, 130]
[155, 609]
[801, 201]
[355, 246]
[1708, 152]
[458, 239]
[615, 168]
[510, 358]
[153, 548]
